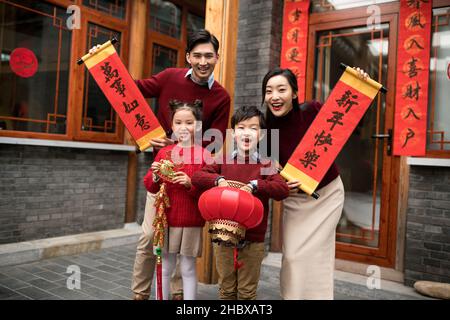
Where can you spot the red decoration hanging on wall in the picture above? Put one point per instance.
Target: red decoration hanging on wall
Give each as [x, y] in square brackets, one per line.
[23, 62]
[294, 44]
[413, 60]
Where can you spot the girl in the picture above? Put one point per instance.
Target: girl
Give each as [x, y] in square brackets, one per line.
[309, 225]
[184, 235]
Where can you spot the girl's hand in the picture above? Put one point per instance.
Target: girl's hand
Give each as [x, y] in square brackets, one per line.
[155, 166]
[361, 73]
[182, 178]
[161, 143]
[293, 186]
[94, 49]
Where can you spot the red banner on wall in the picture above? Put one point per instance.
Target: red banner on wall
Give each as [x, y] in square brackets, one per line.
[294, 44]
[330, 130]
[413, 60]
[123, 94]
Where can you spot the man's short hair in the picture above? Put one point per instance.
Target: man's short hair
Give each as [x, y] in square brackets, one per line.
[246, 112]
[202, 36]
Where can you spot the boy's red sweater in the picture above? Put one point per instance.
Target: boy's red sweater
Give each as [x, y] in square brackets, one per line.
[269, 186]
[183, 210]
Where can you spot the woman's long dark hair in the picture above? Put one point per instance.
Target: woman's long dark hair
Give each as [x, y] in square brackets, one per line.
[292, 80]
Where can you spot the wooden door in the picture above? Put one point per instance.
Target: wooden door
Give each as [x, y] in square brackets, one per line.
[367, 229]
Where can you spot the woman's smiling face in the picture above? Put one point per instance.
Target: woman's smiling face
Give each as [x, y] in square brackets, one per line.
[278, 95]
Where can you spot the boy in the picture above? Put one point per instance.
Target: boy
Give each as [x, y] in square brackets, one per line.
[244, 165]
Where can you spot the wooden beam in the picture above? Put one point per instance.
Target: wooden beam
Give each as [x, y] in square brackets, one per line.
[276, 227]
[138, 30]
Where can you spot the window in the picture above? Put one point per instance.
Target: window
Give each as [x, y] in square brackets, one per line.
[438, 112]
[116, 8]
[165, 18]
[97, 114]
[45, 94]
[170, 24]
[334, 5]
[35, 57]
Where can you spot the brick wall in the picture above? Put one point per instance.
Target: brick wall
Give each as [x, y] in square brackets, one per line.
[49, 192]
[258, 47]
[427, 254]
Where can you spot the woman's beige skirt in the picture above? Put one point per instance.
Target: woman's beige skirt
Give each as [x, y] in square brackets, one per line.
[186, 241]
[309, 232]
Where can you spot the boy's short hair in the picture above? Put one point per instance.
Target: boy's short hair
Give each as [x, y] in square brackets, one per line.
[199, 37]
[246, 112]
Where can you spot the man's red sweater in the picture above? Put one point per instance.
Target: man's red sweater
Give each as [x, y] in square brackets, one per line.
[269, 186]
[172, 84]
[183, 210]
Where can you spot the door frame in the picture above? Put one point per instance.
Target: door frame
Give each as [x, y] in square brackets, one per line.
[385, 254]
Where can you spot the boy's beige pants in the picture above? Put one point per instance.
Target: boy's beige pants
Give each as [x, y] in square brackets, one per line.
[239, 284]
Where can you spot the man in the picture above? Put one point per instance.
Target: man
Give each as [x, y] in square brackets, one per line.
[185, 85]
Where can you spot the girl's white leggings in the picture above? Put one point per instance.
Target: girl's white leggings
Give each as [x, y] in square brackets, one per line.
[188, 274]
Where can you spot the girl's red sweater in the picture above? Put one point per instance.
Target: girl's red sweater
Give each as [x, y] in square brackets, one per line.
[183, 210]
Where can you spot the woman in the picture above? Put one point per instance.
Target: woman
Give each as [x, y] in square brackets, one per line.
[309, 225]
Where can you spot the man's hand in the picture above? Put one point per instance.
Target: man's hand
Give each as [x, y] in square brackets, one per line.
[161, 143]
[182, 178]
[94, 49]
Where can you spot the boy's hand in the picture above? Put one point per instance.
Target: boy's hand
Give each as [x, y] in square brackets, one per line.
[248, 188]
[293, 186]
[94, 49]
[182, 178]
[222, 183]
[161, 143]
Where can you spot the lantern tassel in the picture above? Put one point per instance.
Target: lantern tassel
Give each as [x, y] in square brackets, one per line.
[159, 293]
[237, 264]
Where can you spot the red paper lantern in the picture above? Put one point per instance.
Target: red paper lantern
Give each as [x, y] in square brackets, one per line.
[230, 211]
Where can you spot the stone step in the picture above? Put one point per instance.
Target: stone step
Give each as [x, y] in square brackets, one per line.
[31, 251]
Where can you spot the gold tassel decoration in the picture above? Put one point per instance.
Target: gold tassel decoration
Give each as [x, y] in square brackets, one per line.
[160, 221]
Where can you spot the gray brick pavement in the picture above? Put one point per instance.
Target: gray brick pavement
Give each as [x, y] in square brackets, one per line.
[106, 275]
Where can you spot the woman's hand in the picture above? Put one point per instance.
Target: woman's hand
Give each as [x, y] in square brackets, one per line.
[94, 49]
[361, 73]
[161, 143]
[182, 178]
[293, 186]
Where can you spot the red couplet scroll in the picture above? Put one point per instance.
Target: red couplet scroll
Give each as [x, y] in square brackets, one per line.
[294, 44]
[330, 130]
[413, 61]
[123, 94]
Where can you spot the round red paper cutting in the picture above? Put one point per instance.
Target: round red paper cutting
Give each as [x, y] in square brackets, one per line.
[23, 62]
